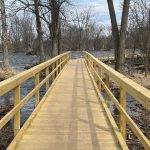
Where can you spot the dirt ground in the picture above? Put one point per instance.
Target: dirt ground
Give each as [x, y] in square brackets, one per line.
[141, 79]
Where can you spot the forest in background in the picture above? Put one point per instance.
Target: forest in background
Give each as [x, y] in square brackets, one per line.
[50, 27]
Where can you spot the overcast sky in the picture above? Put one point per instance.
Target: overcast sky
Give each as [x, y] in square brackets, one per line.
[99, 9]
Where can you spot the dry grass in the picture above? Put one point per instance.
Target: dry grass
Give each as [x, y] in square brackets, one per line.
[7, 73]
[141, 79]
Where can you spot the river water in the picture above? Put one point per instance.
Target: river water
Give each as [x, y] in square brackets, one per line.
[19, 61]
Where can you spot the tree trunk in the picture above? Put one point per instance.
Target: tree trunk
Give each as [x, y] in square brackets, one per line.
[55, 26]
[39, 31]
[59, 39]
[4, 36]
[115, 31]
[147, 50]
[119, 39]
[124, 21]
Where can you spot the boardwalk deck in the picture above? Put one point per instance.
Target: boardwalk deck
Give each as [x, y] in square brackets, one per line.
[71, 117]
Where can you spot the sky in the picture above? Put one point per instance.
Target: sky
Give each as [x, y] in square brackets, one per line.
[99, 9]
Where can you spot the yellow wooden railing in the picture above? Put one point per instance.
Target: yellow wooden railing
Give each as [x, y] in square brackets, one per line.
[99, 71]
[106, 58]
[51, 68]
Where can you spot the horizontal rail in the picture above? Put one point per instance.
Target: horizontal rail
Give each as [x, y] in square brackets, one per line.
[58, 62]
[141, 94]
[125, 118]
[12, 82]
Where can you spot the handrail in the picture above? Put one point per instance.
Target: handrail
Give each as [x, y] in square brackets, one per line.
[141, 94]
[12, 82]
[54, 65]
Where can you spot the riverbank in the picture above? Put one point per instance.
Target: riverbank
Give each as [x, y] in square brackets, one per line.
[140, 79]
[7, 73]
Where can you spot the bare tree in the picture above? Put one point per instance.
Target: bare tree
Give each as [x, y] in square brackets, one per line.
[124, 21]
[115, 31]
[139, 30]
[147, 49]
[55, 12]
[39, 30]
[4, 36]
[119, 39]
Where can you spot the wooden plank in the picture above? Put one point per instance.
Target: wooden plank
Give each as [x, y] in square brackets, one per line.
[70, 117]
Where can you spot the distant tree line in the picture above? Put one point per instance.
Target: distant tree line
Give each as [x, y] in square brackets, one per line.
[43, 27]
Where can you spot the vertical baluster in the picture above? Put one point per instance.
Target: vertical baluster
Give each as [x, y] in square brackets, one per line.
[53, 76]
[122, 119]
[37, 97]
[87, 60]
[17, 115]
[46, 74]
[60, 64]
[94, 66]
[91, 65]
[100, 75]
[57, 68]
[107, 99]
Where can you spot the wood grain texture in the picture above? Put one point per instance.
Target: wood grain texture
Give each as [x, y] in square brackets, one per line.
[71, 117]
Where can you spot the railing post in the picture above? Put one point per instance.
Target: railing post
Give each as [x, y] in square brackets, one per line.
[99, 83]
[86, 59]
[37, 97]
[60, 64]
[94, 67]
[46, 74]
[107, 99]
[122, 119]
[17, 115]
[53, 76]
[57, 67]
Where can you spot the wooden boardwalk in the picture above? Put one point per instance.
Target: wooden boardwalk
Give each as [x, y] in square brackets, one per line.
[71, 118]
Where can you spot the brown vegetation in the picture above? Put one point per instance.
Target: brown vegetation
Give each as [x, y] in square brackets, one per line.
[7, 73]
